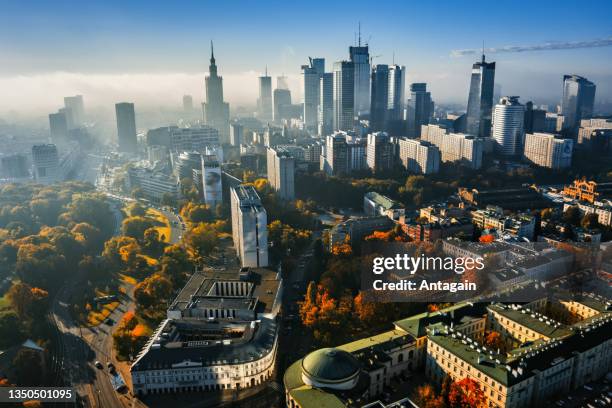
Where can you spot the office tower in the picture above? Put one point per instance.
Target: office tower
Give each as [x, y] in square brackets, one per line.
[311, 81]
[249, 226]
[187, 104]
[46, 163]
[548, 150]
[380, 152]
[264, 102]
[335, 160]
[418, 156]
[282, 82]
[14, 166]
[344, 95]
[77, 107]
[281, 171]
[535, 119]
[578, 100]
[211, 180]
[282, 100]
[360, 59]
[418, 109]
[236, 134]
[379, 97]
[126, 127]
[397, 84]
[58, 126]
[480, 99]
[455, 147]
[325, 122]
[216, 111]
[195, 139]
[508, 125]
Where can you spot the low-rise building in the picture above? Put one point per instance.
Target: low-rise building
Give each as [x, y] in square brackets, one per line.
[377, 204]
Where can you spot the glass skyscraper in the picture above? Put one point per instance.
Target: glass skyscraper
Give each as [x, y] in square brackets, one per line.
[312, 76]
[480, 100]
[578, 100]
[379, 97]
[419, 109]
[360, 57]
[344, 95]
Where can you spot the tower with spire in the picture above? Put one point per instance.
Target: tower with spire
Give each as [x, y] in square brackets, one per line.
[215, 109]
[264, 103]
[360, 57]
[480, 98]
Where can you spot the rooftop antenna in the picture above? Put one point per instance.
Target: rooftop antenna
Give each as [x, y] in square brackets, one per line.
[266, 71]
[359, 43]
[483, 54]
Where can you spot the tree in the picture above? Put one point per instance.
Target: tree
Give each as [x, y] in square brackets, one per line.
[202, 239]
[20, 298]
[151, 240]
[572, 215]
[494, 340]
[28, 367]
[466, 393]
[590, 221]
[135, 227]
[427, 397]
[136, 210]
[150, 291]
[11, 330]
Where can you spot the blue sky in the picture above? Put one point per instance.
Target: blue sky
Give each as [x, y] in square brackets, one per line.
[164, 38]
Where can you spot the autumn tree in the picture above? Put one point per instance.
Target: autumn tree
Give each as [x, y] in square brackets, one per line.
[135, 227]
[466, 393]
[494, 340]
[427, 397]
[202, 239]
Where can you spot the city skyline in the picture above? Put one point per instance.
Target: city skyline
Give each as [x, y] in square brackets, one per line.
[120, 53]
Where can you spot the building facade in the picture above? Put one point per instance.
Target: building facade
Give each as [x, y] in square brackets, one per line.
[480, 99]
[508, 123]
[126, 127]
[281, 172]
[548, 150]
[249, 227]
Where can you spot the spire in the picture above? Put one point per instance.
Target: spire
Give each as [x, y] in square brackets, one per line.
[212, 53]
[359, 42]
[483, 54]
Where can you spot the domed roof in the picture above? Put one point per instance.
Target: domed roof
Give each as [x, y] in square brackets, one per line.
[330, 365]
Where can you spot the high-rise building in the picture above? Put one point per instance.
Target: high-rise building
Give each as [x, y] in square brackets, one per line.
[282, 99]
[58, 127]
[126, 127]
[187, 104]
[249, 226]
[508, 123]
[360, 59]
[195, 139]
[14, 166]
[46, 163]
[418, 109]
[282, 82]
[216, 111]
[344, 95]
[312, 74]
[548, 150]
[281, 172]
[211, 180]
[578, 100]
[380, 152]
[236, 134]
[535, 119]
[357, 155]
[397, 85]
[379, 98]
[77, 108]
[335, 160]
[455, 147]
[325, 123]
[480, 99]
[264, 103]
[418, 156]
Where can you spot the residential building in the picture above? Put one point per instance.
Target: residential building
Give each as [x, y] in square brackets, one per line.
[508, 123]
[480, 100]
[380, 152]
[51, 166]
[249, 226]
[335, 161]
[418, 156]
[455, 147]
[281, 172]
[548, 150]
[493, 217]
[126, 127]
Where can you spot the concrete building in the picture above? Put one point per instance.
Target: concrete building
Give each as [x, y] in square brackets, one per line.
[548, 150]
[249, 227]
[518, 226]
[188, 104]
[281, 172]
[220, 333]
[418, 156]
[508, 122]
[157, 153]
[126, 127]
[52, 166]
[380, 152]
[195, 139]
[215, 109]
[344, 95]
[14, 167]
[335, 161]
[282, 105]
[58, 127]
[236, 134]
[326, 104]
[455, 147]
[76, 108]
[354, 230]
[155, 185]
[375, 204]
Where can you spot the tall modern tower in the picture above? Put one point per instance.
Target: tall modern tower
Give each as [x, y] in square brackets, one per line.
[311, 79]
[282, 100]
[216, 111]
[77, 107]
[126, 127]
[344, 95]
[578, 100]
[360, 57]
[326, 104]
[58, 126]
[379, 98]
[480, 99]
[397, 84]
[418, 110]
[264, 103]
[508, 125]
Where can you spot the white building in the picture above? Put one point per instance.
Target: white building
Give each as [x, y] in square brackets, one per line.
[548, 150]
[281, 172]
[418, 156]
[508, 122]
[52, 166]
[377, 204]
[380, 152]
[193, 139]
[155, 185]
[455, 147]
[312, 76]
[249, 226]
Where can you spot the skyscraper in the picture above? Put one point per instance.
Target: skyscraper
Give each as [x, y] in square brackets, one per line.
[508, 123]
[326, 104]
[397, 86]
[264, 103]
[77, 107]
[480, 99]
[281, 171]
[380, 152]
[312, 74]
[58, 126]
[418, 110]
[578, 100]
[46, 163]
[344, 95]
[360, 57]
[216, 111]
[249, 226]
[126, 127]
[336, 159]
[282, 100]
[379, 98]
[236, 134]
[187, 104]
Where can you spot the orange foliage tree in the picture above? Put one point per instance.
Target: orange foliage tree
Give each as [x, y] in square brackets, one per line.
[466, 393]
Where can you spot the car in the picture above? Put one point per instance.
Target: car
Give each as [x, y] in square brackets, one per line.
[98, 364]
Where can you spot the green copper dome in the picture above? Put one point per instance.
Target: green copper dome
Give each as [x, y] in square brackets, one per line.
[330, 365]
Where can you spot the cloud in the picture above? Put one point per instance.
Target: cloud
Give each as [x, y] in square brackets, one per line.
[548, 46]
